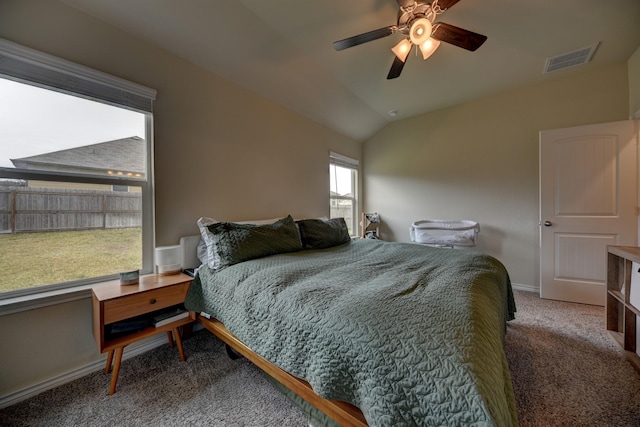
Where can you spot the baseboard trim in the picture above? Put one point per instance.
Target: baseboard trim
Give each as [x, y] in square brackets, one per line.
[132, 350]
[527, 288]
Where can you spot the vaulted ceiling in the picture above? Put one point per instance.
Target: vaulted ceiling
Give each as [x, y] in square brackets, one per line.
[282, 49]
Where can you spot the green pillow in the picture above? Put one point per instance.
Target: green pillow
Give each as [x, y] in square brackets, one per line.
[235, 242]
[320, 234]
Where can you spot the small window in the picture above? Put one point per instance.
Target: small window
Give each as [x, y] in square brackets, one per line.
[343, 177]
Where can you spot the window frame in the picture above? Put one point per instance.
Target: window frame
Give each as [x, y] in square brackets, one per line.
[339, 160]
[29, 66]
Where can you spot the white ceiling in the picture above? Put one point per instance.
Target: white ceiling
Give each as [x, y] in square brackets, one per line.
[282, 49]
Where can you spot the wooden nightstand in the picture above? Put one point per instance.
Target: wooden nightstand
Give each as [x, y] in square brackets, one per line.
[116, 304]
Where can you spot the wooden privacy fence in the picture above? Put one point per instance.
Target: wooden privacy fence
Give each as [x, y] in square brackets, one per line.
[25, 209]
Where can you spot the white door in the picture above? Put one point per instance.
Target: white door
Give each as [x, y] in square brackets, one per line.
[588, 200]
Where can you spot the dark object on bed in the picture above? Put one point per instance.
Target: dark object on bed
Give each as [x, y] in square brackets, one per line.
[410, 335]
[322, 234]
[234, 243]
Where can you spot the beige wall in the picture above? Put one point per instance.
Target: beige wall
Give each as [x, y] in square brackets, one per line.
[220, 151]
[45, 343]
[634, 84]
[479, 161]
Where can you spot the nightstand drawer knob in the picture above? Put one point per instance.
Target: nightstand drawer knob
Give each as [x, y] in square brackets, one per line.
[153, 301]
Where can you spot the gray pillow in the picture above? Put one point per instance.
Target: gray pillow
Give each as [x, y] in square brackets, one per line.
[235, 243]
[320, 234]
[206, 249]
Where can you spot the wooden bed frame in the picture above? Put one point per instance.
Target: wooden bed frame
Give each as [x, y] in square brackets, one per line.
[341, 412]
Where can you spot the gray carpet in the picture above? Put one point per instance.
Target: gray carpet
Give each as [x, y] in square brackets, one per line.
[565, 369]
[156, 389]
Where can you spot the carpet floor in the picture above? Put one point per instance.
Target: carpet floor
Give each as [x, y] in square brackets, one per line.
[565, 368]
[566, 371]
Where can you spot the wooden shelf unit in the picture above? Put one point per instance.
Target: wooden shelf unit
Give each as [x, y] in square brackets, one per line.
[370, 223]
[113, 302]
[622, 314]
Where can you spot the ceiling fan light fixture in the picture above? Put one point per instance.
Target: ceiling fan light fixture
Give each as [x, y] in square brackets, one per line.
[427, 48]
[402, 49]
[420, 31]
[418, 24]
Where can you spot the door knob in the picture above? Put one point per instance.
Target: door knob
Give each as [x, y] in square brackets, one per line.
[548, 224]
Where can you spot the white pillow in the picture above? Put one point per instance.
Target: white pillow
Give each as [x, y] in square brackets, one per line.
[207, 253]
[201, 252]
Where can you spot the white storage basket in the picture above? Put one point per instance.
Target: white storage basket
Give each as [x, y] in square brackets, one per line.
[444, 232]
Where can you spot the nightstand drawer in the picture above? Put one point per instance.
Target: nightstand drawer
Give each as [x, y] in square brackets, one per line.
[144, 302]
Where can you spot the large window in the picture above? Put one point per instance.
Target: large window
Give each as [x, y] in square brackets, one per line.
[76, 194]
[343, 177]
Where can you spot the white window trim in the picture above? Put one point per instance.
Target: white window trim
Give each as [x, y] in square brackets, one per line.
[26, 65]
[21, 303]
[21, 63]
[344, 161]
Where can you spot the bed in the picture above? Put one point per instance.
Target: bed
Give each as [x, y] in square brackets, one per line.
[369, 332]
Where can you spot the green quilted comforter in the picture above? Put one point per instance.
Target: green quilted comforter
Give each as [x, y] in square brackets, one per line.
[411, 335]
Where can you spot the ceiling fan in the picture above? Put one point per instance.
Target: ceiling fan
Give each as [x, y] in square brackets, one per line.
[416, 22]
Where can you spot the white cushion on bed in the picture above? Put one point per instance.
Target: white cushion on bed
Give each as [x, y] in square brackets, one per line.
[189, 245]
[201, 252]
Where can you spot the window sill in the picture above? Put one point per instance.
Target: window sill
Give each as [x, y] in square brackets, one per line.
[44, 299]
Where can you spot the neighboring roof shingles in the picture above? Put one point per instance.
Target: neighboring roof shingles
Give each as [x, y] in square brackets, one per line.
[120, 155]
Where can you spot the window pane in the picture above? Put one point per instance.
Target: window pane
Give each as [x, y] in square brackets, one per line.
[343, 208]
[341, 180]
[52, 232]
[50, 258]
[342, 195]
[46, 130]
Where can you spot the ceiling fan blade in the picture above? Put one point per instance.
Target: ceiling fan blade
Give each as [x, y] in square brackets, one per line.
[458, 36]
[364, 38]
[446, 4]
[396, 68]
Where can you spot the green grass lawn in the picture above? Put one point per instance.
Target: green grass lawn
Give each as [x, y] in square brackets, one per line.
[34, 259]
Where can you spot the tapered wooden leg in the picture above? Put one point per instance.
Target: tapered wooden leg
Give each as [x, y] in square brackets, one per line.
[187, 330]
[116, 370]
[107, 368]
[170, 338]
[176, 334]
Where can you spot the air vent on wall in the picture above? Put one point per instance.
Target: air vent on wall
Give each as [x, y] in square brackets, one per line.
[570, 59]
